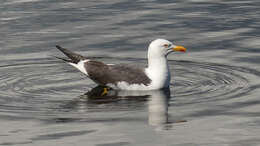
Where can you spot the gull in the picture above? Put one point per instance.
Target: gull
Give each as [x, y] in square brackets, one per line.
[126, 76]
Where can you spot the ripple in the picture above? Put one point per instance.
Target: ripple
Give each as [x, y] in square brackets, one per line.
[37, 86]
[209, 82]
[42, 86]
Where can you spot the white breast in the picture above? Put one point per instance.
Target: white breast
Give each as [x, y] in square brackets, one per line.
[158, 72]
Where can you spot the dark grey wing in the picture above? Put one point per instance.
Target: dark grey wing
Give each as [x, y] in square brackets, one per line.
[128, 73]
[104, 74]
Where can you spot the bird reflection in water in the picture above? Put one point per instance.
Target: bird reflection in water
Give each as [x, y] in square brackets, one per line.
[157, 102]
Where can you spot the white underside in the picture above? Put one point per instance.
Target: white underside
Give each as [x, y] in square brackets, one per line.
[126, 86]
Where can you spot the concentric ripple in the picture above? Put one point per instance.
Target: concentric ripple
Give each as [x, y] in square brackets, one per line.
[37, 86]
[208, 81]
[41, 86]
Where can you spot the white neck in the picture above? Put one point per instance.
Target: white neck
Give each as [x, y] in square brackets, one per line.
[158, 72]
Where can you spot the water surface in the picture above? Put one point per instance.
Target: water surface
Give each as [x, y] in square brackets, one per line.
[214, 94]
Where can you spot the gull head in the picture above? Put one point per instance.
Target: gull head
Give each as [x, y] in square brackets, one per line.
[162, 47]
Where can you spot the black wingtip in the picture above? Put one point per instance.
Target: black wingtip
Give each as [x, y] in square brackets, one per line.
[63, 59]
[61, 49]
[58, 47]
[75, 58]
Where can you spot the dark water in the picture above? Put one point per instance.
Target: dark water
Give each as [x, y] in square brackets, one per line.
[215, 87]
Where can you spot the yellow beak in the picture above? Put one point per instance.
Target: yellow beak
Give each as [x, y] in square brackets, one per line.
[179, 48]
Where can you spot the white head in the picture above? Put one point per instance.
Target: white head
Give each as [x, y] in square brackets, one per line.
[162, 47]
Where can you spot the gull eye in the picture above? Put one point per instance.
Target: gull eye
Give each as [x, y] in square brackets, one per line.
[166, 45]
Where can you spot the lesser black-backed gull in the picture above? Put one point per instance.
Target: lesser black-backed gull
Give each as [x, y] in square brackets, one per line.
[129, 77]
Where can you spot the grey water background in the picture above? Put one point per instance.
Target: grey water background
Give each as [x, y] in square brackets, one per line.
[214, 95]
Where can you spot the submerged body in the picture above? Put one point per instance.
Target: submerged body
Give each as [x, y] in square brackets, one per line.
[129, 77]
